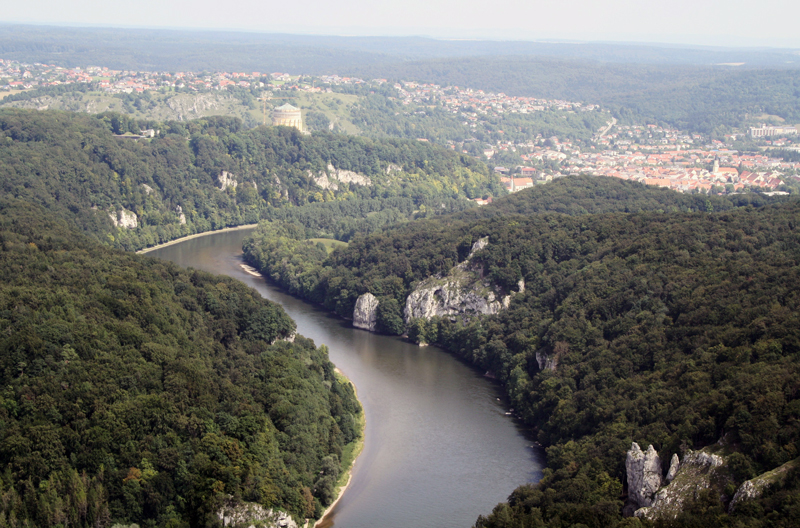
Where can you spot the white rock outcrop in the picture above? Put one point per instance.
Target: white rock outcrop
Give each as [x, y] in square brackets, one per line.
[454, 295]
[323, 181]
[124, 218]
[333, 177]
[181, 216]
[251, 514]
[674, 466]
[462, 292]
[546, 361]
[365, 314]
[346, 176]
[226, 179]
[644, 474]
[752, 489]
[697, 471]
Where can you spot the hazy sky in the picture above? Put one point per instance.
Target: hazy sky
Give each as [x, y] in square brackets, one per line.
[707, 22]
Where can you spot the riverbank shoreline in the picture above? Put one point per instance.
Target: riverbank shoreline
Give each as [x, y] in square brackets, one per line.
[196, 235]
[323, 521]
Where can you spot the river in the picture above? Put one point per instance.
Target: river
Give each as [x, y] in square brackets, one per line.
[439, 448]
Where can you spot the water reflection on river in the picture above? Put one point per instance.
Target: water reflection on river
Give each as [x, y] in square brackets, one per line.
[439, 451]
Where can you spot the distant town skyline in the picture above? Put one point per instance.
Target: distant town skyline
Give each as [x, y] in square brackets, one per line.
[733, 23]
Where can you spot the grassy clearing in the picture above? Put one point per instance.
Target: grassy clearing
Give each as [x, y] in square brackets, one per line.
[335, 106]
[329, 243]
[10, 92]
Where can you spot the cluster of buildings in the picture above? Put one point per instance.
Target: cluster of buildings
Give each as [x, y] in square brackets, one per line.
[651, 154]
[471, 102]
[15, 75]
[770, 131]
[661, 159]
[19, 76]
[685, 170]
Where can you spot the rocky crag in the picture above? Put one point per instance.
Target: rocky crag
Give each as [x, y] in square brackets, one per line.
[365, 314]
[331, 178]
[754, 488]
[124, 218]
[686, 479]
[698, 471]
[463, 292]
[252, 515]
[644, 475]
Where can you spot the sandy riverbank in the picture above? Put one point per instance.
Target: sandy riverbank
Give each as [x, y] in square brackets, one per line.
[196, 235]
[323, 521]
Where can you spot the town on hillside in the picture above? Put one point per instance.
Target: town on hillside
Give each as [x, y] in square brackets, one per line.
[650, 154]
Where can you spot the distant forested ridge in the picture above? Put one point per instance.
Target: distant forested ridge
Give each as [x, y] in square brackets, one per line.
[181, 50]
[211, 173]
[659, 318]
[134, 391]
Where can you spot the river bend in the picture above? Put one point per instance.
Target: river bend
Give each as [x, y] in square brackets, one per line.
[439, 449]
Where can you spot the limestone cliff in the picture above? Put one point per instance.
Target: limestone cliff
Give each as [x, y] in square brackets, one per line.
[752, 489]
[365, 314]
[462, 292]
[252, 515]
[698, 471]
[226, 179]
[331, 178]
[644, 474]
[124, 218]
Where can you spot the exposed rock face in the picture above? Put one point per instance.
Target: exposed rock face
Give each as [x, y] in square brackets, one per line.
[124, 218]
[674, 466]
[455, 295]
[477, 246]
[323, 181]
[698, 471]
[463, 292]
[181, 216]
[346, 176]
[252, 514]
[147, 188]
[332, 178]
[226, 179]
[365, 314]
[752, 489]
[184, 104]
[644, 474]
[546, 361]
[393, 168]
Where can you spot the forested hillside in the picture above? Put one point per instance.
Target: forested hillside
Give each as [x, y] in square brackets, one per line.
[675, 324]
[389, 263]
[211, 173]
[134, 391]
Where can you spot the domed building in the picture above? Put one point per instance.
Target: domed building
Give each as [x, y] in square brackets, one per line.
[288, 115]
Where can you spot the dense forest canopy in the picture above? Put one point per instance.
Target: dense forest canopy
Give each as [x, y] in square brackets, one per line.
[668, 319]
[390, 262]
[74, 164]
[134, 391]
